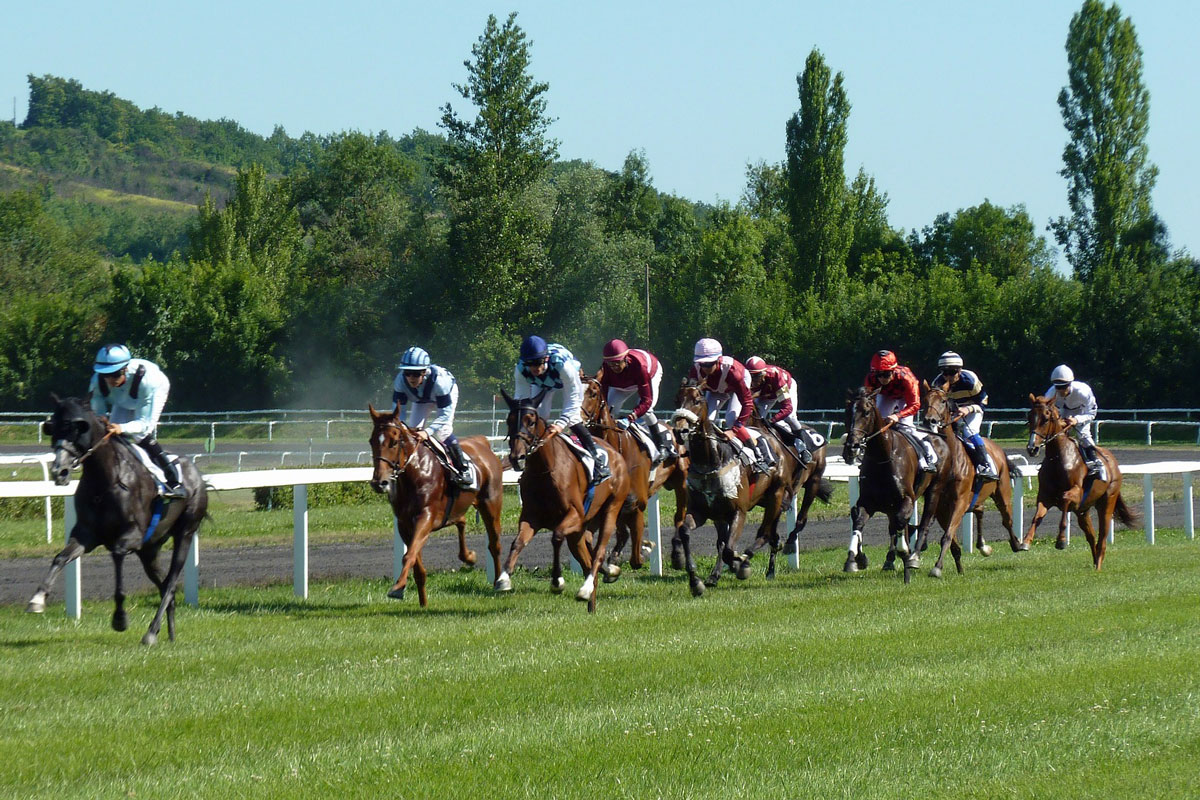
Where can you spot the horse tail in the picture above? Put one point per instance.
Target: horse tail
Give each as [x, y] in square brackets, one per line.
[825, 490]
[1128, 517]
[1014, 467]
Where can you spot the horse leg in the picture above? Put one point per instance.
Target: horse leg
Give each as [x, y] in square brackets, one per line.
[722, 527]
[419, 574]
[637, 558]
[810, 492]
[683, 533]
[182, 544]
[80, 542]
[612, 560]
[1003, 498]
[489, 512]
[681, 500]
[149, 558]
[524, 534]
[120, 621]
[1039, 514]
[1095, 542]
[556, 577]
[603, 534]
[418, 534]
[856, 559]
[571, 530]
[464, 555]
[1060, 542]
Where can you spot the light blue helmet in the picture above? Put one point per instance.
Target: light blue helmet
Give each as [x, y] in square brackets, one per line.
[414, 360]
[111, 358]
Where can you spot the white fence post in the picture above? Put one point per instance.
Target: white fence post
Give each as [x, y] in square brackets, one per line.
[1189, 523]
[794, 556]
[654, 527]
[853, 489]
[73, 572]
[1018, 509]
[191, 574]
[966, 532]
[1148, 503]
[300, 540]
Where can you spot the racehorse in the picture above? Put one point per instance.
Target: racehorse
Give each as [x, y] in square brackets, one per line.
[117, 505]
[1063, 481]
[890, 481]
[424, 499]
[940, 411]
[556, 495]
[631, 522]
[724, 489]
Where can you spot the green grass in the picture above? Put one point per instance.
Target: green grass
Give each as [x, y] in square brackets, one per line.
[1030, 676]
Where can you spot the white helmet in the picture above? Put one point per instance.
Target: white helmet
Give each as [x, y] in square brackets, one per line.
[949, 359]
[706, 350]
[1062, 375]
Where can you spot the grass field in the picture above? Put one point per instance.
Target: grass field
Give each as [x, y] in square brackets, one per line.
[1030, 676]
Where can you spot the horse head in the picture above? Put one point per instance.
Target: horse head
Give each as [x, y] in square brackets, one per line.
[392, 446]
[1043, 421]
[862, 422]
[595, 408]
[74, 431]
[690, 408]
[937, 407]
[526, 428]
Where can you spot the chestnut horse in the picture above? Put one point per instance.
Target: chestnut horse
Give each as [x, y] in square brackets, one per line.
[631, 522]
[423, 497]
[724, 489]
[555, 495]
[115, 506]
[1063, 481]
[890, 481]
[940, 411]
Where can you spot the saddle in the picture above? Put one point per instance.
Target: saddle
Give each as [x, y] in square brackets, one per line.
[644, 441]
[439, 452]
[584, 456]
[925, 452]
[160, 480]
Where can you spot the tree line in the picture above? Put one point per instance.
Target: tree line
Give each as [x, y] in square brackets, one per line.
[300, 279]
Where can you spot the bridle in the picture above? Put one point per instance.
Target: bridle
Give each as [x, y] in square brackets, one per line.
[78, 458]
[396, 466]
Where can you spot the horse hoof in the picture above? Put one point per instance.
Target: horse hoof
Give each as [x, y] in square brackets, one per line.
[985, 550]
[150, 639]
[557, 584]
[710, 583]
[677, 560]
[503, 583]
[850, 566]
[397, 594]
[120, 622]
[889, 566]
[469, 561]
[935, 573]
[1060, 544]
[912, 561]
[697, 587]
[770, 574]
[611, 573]
[861, 560]
[907, 576]
[35, 608]
[743, 568]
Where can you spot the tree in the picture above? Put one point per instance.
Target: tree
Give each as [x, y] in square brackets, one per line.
[1106, 110]
[820, 210]
[1000, 241]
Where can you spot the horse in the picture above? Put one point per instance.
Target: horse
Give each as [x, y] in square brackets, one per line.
[556, 495]
[117, 505]
[939, 411]
[631, 522]
[424, 499]
[890, 480]
[1063, 481]
[722, 488]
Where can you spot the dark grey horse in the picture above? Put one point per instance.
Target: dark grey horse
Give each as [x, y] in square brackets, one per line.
[115, 506]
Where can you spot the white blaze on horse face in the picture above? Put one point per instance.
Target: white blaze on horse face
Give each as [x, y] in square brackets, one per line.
[381, 439]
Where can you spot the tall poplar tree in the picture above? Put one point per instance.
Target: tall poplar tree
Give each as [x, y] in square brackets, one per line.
[818, 203]
[1106, 110]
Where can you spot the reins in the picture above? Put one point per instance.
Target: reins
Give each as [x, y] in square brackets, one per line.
[77, 460]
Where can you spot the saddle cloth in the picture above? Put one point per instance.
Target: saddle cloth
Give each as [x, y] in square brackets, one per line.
[921, 444]
[160, 480]
[641, 436]
[814, 440]
[585, 457]
[443, 456]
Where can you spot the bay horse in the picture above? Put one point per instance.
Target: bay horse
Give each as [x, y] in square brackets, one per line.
[940, 411]
[1063, 481]
[724, 489]
[672, 474]
[556, 495]
[890, 481]
[424, 499]
[115, 506]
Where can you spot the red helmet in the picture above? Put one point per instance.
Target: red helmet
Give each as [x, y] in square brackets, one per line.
[755, 364]
[615, 350]
[883, 361]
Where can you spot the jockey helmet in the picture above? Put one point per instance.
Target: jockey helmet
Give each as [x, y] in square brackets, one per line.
[111, 358]
[883, 361]
[1062, 375]
[414, 360]
[706, 350]
[950, 359]
[755, 364]
[616, 350]
[534, 348]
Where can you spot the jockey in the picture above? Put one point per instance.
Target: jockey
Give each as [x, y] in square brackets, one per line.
[429, 389]
[627, 373]
[552, 367]
[132, 392]
[899, 399]
[1077, 405]
[773, 388]
[966, 390]
[726, 384]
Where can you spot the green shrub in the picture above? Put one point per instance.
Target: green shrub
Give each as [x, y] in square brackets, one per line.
[29, 507]
[320, 495]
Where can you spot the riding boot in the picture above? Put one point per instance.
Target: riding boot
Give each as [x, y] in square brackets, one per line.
[601, 471]
[174, 488]
[463, 478]
[1094, 464]
[983, 468]
[766, 461]
[666, 448]
[802, 450]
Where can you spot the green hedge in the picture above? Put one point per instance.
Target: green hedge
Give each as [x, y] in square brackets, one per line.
[29, 507]
[320, 495]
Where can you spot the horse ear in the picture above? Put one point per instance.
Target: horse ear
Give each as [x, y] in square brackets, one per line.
[924, 385]
[1032, 399]
[54, 398]
[508, 399]
[537, 401]
[372, 410]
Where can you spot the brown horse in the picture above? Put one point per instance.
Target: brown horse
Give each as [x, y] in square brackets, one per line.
[1063, 481]
[724, 489]
[890, 480]
[423, 497]
[555, 496]
[631, 522]
[940, 412]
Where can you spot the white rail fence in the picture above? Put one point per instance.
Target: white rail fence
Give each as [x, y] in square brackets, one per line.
[301, 479]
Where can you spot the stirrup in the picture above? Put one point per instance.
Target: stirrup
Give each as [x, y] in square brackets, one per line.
[176, 492]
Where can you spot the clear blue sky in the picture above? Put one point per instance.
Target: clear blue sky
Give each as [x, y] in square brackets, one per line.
[952, 102]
